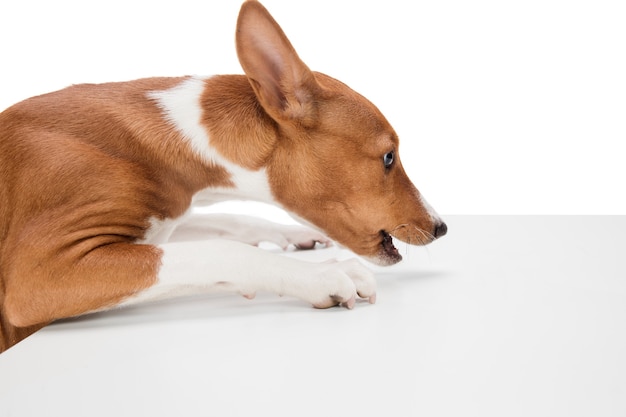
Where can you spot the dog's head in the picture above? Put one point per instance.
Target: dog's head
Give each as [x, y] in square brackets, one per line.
[336, 163]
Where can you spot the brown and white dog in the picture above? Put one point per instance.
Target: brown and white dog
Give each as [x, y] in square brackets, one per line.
[98, 181]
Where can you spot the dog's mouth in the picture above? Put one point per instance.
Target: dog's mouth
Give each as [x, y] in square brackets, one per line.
[389, 254]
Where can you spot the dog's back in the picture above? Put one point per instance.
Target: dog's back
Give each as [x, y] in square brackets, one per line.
[94, 179]
[77, 161]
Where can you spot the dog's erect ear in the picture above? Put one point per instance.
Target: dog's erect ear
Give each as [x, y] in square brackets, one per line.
[283, 84]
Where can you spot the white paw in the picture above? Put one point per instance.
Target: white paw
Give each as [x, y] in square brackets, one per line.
[300, 237]
[338, 283]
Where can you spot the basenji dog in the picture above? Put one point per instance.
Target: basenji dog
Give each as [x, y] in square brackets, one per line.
[98, 183]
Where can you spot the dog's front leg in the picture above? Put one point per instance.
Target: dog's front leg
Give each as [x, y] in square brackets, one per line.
[246, 229]
[222, 265]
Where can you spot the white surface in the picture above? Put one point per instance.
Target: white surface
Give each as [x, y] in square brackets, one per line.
[498, 104]
[505, 316]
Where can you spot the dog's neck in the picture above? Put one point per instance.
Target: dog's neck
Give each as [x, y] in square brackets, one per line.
[238, 127]
[221, 119]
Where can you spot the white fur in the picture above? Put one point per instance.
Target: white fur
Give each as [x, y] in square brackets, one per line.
[250, 230]
[222, 265]
[430, 210]
[226, 265]
[181, 107]
[161, 230]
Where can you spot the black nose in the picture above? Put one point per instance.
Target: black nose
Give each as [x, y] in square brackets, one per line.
[440, 230]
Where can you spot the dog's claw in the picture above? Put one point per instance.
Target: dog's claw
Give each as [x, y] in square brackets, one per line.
[338, 283]
[312, 244]
[350, 303]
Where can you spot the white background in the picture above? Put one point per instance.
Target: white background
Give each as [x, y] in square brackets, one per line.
[503, 107]
[490, 321]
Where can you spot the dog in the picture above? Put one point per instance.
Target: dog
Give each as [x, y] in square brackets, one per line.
[98, 183]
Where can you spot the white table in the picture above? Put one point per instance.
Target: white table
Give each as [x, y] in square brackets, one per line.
[505, 316]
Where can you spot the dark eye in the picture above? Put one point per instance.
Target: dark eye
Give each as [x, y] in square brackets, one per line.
[388, 159]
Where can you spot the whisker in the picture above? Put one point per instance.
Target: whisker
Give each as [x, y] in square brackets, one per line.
[429, 237]
[420, 237]
[426, 234]
[399, 227]
[408, 237]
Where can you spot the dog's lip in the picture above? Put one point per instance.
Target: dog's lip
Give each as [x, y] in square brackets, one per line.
[389, 254]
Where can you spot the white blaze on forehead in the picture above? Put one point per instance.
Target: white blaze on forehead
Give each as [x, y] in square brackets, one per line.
[181, 106]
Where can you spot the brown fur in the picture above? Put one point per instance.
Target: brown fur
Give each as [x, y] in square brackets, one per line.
[84, 170]
[331, 141]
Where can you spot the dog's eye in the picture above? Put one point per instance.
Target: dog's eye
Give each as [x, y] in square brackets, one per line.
[388, 159]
